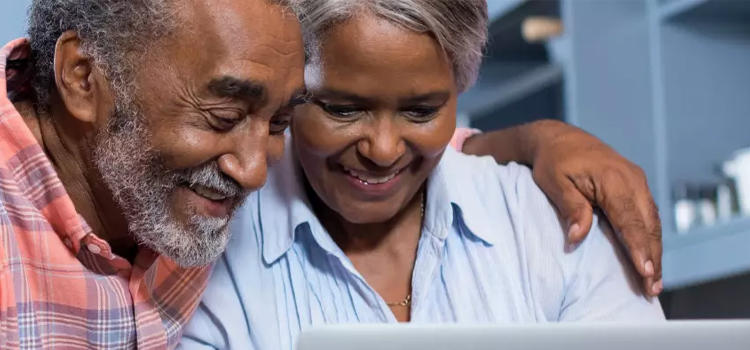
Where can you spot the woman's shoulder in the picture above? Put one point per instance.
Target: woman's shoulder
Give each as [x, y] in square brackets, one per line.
[481, 177]
[505, 201]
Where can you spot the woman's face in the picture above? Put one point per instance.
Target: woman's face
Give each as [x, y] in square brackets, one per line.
[383, 110]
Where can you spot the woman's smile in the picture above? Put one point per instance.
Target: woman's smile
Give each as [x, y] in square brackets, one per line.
[372, 184]
[385, 112]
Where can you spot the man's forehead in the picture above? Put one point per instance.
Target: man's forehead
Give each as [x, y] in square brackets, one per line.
[244, 22]
[221, 31]
[247, 40]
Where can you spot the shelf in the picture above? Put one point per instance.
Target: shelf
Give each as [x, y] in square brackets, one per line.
[505, 40]
[488, 97]
[498, 8]
[673, 8]
[721, 10]
[707, 253]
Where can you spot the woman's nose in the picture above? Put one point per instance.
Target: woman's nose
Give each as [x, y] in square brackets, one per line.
[383, 144]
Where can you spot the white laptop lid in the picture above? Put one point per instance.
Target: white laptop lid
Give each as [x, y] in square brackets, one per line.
[684, 335]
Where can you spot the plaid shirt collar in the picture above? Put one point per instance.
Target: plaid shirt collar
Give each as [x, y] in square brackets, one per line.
[15, 85]
[46, 244]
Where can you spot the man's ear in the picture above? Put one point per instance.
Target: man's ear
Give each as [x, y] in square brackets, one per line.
[80, 84]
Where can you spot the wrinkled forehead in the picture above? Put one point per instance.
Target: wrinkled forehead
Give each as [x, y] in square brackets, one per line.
[238, 37]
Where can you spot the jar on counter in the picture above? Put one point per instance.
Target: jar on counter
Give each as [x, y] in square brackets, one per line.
[707, 215]
[685, 198]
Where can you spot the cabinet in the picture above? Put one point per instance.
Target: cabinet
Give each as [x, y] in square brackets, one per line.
[665, 82]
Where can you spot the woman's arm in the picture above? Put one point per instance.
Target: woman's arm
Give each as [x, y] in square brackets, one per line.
[577, 171]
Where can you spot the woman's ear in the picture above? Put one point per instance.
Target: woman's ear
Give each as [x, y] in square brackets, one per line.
[80, 83]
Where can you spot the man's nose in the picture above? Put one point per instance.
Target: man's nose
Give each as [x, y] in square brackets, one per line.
[247, 161]
[383, 144]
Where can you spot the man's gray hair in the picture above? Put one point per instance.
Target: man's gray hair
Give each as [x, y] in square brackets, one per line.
[459, 26]
[113, 33]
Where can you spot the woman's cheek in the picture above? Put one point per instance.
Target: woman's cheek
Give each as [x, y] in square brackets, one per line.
[435, 136]
[321, 135]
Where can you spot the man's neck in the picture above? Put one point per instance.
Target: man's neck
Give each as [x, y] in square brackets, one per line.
[68, 153]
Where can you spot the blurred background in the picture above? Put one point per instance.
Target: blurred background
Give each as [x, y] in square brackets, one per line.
[665, 82]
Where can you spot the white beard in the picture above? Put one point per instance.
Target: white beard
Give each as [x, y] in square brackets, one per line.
[141, 186]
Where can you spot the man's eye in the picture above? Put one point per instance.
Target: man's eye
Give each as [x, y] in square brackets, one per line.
[420, 114]
[340, 111]
[225, 120]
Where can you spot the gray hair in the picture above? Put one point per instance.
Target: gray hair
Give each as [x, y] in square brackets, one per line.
[459, 26]
[114, 33]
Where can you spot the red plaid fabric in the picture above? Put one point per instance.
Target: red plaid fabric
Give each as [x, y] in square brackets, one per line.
[60, 285]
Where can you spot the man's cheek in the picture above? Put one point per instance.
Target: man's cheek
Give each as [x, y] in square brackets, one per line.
[183, 150]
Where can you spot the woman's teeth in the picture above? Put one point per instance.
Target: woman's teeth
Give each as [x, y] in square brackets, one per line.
[208, 193]
[371, 180]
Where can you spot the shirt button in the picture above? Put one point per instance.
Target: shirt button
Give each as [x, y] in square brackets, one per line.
[94, 248]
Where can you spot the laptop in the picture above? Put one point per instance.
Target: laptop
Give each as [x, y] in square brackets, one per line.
[673, 335]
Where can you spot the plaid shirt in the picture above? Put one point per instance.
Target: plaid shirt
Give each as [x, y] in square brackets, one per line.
[60, 285]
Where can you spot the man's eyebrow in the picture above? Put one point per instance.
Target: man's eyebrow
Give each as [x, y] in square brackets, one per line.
[228, 86]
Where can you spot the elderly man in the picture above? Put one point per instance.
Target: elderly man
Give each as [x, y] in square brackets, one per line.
[131, 130]
[149, 124]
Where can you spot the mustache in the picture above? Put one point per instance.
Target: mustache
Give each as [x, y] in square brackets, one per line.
[210, 176]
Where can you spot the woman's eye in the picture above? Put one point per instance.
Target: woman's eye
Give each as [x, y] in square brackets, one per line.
[420, 113]
[279, 124]
[340, 111]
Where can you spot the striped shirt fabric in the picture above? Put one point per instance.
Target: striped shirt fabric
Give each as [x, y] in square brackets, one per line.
[61, 287]
[491, 251]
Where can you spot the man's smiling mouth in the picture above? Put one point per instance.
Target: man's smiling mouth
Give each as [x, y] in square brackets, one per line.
[208, 193]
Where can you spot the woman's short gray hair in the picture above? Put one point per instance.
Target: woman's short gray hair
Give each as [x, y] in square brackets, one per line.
[459, 26]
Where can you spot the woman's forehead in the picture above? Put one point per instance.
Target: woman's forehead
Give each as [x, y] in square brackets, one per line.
[367, 48]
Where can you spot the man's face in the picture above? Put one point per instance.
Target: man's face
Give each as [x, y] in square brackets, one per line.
[210, 109]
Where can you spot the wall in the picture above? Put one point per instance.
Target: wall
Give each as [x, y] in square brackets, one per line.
[13, 19]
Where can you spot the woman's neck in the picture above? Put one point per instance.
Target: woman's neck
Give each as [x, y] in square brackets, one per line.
[383, 253]
[399, 232]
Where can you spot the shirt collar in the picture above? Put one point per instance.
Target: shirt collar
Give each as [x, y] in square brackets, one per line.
[451, 202]
[24, 151]
[16, 70]
[285, 211]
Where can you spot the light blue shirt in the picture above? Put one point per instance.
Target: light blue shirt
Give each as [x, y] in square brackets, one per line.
[492, 250]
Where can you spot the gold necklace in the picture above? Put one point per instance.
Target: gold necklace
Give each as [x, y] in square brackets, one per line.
[403, 303]
[407, 301]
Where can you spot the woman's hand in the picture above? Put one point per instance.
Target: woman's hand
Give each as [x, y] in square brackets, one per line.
[577, 171]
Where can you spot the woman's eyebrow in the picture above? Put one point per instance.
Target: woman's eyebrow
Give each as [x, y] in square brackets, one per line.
[437, 96]
[338, 94]
[299, 97]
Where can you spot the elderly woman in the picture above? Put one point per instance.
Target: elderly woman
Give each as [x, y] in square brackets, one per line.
[372, 218]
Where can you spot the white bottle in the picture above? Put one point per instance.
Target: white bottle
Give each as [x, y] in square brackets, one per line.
[685, 208]
[724, 202]
[707, 205]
